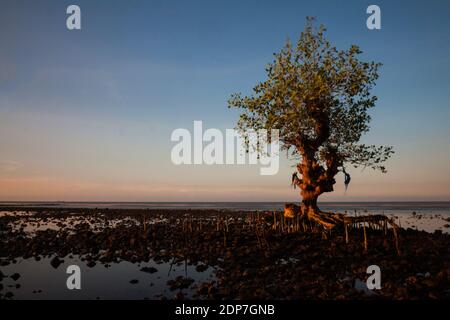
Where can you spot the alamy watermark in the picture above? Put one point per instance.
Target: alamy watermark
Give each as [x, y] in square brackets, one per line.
[373, 22]
[74, 280]
[374, 280]
[73, 21]
[213, 147]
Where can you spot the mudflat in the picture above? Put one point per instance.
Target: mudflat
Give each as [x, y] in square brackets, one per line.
[211, 254]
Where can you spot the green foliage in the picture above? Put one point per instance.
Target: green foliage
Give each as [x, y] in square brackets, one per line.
[318, 98]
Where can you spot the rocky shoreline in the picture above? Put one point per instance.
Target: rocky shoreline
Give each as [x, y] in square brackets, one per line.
[251, 259]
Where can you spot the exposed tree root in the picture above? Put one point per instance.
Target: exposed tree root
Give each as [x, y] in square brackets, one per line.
[328, 221]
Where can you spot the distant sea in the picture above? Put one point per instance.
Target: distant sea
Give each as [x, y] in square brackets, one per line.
[349, 207]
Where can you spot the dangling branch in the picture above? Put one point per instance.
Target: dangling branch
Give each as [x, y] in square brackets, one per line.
[295, 180]
[347, 178]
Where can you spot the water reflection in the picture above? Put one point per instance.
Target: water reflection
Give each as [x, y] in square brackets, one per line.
[39, 280]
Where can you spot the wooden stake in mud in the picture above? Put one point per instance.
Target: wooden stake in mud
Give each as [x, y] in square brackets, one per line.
[394, 228]
[274, 221]
[346, 233]
[365, 237]
[224, 239]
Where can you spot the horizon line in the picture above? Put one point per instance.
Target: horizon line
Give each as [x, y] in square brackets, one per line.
[336, 201]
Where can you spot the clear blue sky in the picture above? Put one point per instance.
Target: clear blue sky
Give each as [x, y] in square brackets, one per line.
[87, 115]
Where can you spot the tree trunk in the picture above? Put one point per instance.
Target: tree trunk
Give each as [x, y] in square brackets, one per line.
[316, 178]
[310, 210]
[309, 204]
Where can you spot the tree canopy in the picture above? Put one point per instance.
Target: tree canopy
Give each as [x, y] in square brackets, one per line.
[318, 98]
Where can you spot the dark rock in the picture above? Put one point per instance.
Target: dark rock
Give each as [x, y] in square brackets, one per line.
[149, 269]
[180, 282]
[201, 267]
[55, 262]
[134, 281]
[179, 296]
[15, 276]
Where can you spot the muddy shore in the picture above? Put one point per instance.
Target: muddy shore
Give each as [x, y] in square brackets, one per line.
[250, 259]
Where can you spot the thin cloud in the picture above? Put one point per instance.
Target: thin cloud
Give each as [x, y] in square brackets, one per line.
[9, 166]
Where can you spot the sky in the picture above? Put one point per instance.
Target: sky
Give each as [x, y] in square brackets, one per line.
[87, 115]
